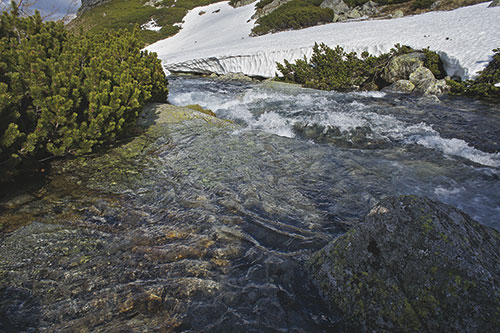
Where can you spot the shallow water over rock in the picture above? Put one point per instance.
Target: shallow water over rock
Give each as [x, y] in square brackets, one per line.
[201, 224]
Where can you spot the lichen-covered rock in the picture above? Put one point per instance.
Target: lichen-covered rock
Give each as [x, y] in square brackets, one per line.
[400, 67]
[369, 8]
[422, 78]
[414, 265]
[354, 14]
[397, 14]
[402, 86]
[437, 87]
[234, 77]
[338, 6]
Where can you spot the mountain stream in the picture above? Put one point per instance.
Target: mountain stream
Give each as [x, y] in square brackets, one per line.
[213, 228]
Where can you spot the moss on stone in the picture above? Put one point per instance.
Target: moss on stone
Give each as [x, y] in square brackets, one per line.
[201, 109]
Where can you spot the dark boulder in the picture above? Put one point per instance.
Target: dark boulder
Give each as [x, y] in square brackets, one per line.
[414, 265]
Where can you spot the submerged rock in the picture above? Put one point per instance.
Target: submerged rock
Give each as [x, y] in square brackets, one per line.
[414, 265]
[360, 137]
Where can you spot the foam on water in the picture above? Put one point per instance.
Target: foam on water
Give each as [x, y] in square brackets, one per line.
[374, 94]
[276, 109]
[460, 148]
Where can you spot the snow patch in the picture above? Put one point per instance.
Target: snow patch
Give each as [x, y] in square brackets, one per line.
[497, 85]
[151, 25]
[220, 43]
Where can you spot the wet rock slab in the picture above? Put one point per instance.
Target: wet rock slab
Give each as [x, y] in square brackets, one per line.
[143, 237]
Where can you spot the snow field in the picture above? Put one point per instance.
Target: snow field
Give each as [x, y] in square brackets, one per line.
[218, 41]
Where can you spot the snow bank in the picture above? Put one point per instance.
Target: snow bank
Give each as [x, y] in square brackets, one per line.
[151, 25]
[218, 41]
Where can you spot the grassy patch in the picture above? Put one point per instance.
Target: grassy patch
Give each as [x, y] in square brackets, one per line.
[125, 14]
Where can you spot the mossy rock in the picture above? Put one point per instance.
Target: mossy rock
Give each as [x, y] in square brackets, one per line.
[133, 162]
[414, 265]
[400, 67]
[201, 109]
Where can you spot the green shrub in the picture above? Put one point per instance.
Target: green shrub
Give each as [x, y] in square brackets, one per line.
[120, 14]
[63, 94]
[263, 3]
[484, 85]
[422, 4]
[335, 69]
[331, 69]
[295, 14]
[434, 63]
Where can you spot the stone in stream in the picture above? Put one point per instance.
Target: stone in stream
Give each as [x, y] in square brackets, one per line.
[414, 265]
[360, 137]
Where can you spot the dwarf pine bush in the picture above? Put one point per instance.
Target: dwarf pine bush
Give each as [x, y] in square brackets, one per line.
[334, 69]
[64, 94]
[485, 86]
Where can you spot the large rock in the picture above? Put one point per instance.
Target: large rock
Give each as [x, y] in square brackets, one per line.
[400, 67]
[402, 86]
[423, 79]
[437, 87]
[369, 8]
[414, 265]
[494, 3]
[354, 14]
[338, 6]
[398, 14]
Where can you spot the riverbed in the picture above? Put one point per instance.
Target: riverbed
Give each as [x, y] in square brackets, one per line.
[207, 226]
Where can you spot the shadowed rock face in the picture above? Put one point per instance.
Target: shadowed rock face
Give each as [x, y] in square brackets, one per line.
[414, 265]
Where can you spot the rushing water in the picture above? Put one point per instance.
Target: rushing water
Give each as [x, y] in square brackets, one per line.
[449, 150]
[214, 230]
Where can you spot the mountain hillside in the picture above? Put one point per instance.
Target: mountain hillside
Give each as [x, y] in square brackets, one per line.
[158, 19]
